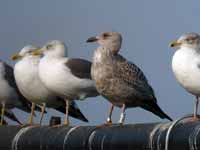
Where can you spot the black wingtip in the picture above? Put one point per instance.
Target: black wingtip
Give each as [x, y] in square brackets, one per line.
[165, 116]
[155, 109]
[11, 115]
[82, 117]
[74, 112]
[162, 114]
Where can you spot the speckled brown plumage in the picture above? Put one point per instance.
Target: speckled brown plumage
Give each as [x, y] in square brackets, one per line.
[119, 80]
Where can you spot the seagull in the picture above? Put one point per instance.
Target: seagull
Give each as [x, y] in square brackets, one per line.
[68, 78]
[119, 80]
[186, 65]
[30, 85]
[10, 96]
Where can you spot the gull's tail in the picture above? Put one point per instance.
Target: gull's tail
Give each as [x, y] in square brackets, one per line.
[74, 111]
[153, 107]
[11, 115]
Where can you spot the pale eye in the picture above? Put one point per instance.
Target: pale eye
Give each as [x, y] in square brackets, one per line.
[105, 35]
[30, 51]
[187, 40]
[49, 46]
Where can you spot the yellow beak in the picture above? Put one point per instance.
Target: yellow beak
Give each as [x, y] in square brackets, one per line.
[37, 52]
[16, 57]
[174, 44]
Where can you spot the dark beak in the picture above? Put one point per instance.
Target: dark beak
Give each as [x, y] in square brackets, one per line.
[92, 39]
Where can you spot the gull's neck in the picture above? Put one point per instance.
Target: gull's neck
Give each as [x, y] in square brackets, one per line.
[57, 53]
[189, 50]
[33, 58]
[53, 57]
[101, 54]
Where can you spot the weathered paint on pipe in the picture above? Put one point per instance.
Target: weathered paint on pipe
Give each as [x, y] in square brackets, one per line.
[152, 136]
[7, 133]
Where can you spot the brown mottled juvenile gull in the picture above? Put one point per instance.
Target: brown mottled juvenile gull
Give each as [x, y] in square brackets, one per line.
[10, 97]
[68, 78]
[30, 85]
[186, 65]
[119, 80]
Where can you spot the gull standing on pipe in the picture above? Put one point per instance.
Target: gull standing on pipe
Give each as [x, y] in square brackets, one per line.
[186, 65]
[119, 80]
[68, 78]
[10, 96]
[30, 85]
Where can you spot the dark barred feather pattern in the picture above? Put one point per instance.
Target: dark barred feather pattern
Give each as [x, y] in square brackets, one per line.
[133, 77]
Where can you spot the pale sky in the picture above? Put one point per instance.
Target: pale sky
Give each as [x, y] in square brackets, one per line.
[147, 28]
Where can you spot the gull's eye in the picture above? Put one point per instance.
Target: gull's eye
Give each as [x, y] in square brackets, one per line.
[191, 39]
[30, 51]
[188, 39]
[49, 46]
[105, 35]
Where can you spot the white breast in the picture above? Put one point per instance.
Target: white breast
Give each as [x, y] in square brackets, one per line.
[185, 67]
[29, 83]
[97, 56]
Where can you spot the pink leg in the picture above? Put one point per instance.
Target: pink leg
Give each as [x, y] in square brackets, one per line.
[196, 107]
[122, 116]
[109, 119]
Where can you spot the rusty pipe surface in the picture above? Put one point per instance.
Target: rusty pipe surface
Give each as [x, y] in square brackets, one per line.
[183, 134]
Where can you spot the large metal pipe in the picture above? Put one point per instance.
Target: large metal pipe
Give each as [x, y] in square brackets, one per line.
[183, 134]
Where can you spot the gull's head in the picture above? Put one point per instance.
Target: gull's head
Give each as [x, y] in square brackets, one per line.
[109, 40]
[188, 40]
[27, 51]
[55, 49]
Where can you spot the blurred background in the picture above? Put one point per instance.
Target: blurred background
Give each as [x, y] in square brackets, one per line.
[147, 28]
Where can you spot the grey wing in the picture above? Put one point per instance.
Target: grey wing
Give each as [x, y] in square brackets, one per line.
[79, 67]
[133, 77]
[9, 76]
